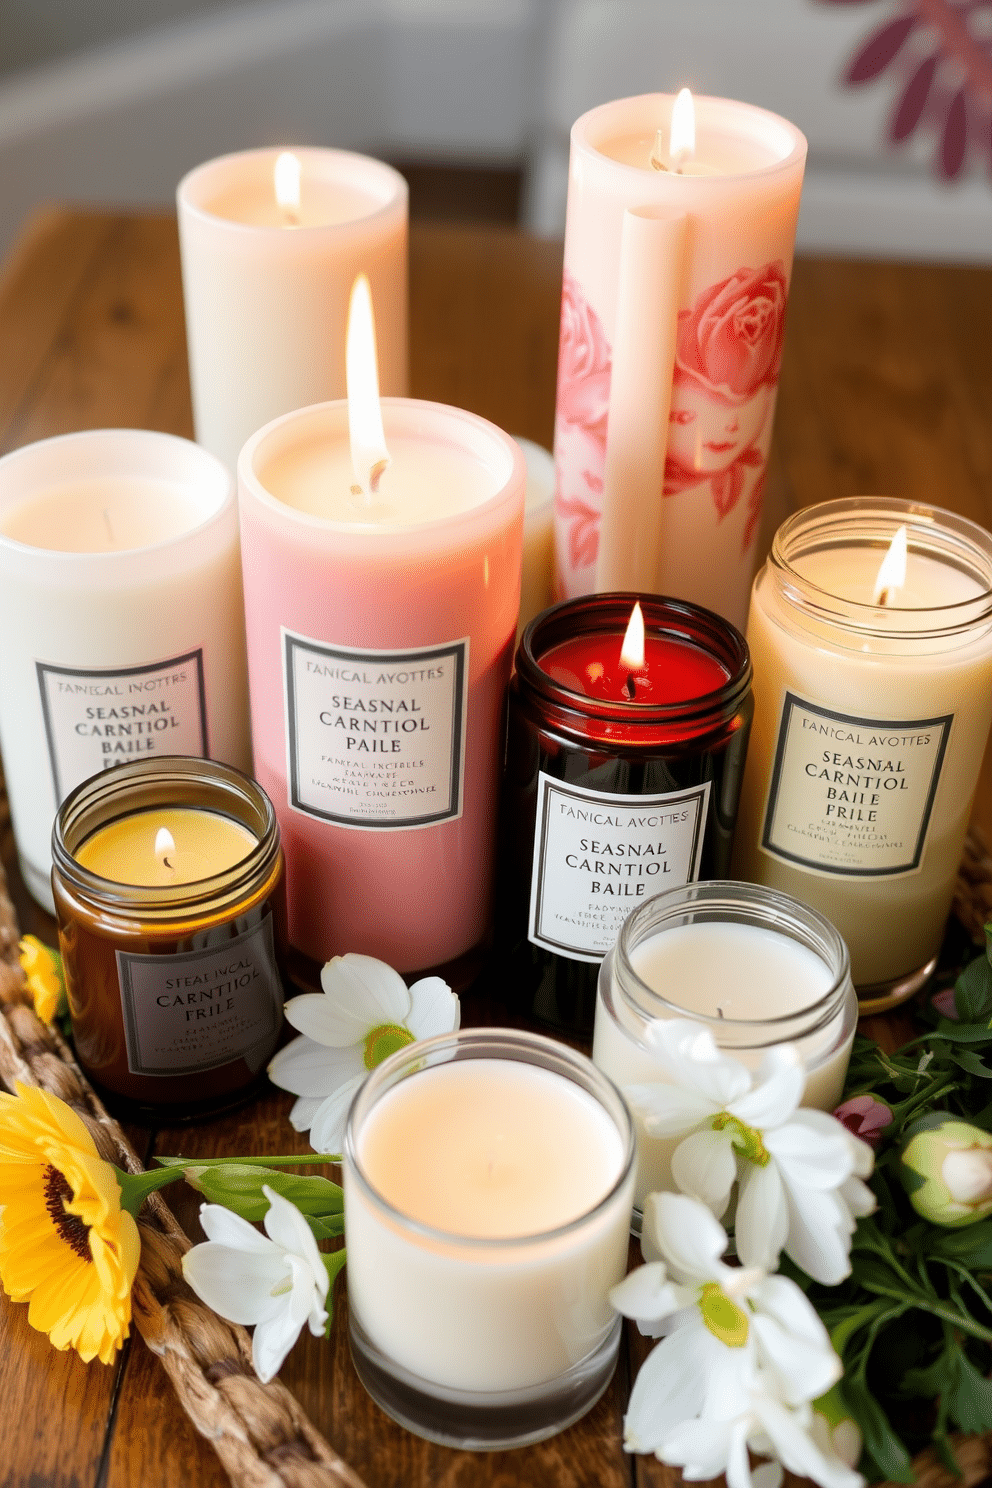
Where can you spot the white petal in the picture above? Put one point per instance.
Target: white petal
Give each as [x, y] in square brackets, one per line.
[797, 1450]
[364, 984]
[667, 1391]
[235, 1284]
[704, 1167]
[276, 1335]
[227, 1228]
[800, 1356]
[686, 1235]
[700, 1448]
[308, 1068]
[327, 1130]
[689, 1055]
[761, 1224]
[862, 1156]
[669, 1110]
[814, 1159]
[780, 1086]
[646, 1295]
[303, 1112]
[857, 1196]
[738, 1461]
[820, 1229]
[434, 1008]
[286, 1227]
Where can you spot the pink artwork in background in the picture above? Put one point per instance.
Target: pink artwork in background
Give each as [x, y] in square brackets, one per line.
[728, 355]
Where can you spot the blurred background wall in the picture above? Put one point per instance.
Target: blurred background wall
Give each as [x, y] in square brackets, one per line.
[112, 100]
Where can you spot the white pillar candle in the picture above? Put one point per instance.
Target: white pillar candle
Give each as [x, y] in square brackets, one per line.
[266, 286]
[380, 634]
[673, 311]
[755, 968]
[121, 621]
[535, 583]
[870, 724]
[487, 1198]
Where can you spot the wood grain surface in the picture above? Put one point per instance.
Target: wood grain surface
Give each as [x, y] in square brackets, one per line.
[886, 387]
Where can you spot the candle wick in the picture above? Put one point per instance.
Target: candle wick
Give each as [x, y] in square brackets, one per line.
[883, 598]
[168, 865]
[376, 474]
[657, 157]
[357, 491]
[630, 687]
[719, 1011]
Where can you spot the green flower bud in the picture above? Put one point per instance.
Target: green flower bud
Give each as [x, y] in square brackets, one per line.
[946, 1168]
[238, 1186]
[834, 1428]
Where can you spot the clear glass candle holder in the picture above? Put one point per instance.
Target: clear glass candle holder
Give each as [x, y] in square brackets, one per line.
[488, 1180]
[766, 970]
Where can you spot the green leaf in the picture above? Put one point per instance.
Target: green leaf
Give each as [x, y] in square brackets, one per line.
[325, 1226]
[881, 1441]
[238, 1186]
[970, 1061]
[970, 1399]
[334, 1262]
[973, 991]
[971, 1244]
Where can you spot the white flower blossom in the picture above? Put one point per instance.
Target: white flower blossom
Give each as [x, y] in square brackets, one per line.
[799, 1172]
[276, 1283]
[742, 1356]
[364, 1013]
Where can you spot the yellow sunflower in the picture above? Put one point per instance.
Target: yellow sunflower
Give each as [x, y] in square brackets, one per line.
[66, 1245]
[42, 968]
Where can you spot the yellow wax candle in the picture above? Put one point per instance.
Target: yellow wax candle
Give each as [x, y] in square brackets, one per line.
[170, 845]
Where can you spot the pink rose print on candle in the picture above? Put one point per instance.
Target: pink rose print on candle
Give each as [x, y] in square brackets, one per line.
[727, 360]
[584, 364]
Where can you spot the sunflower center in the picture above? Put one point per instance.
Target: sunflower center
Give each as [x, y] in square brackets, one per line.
[70, 1227]
[384, 1040]
[724, 1318]
[745, 1139]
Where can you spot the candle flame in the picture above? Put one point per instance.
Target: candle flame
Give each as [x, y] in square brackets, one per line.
[369, 455]
[892, 570]
[632, 650]
[682, 139]
[286, 179]
[165, 844]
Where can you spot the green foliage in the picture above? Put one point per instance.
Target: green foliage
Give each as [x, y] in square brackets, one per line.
[913, 1322]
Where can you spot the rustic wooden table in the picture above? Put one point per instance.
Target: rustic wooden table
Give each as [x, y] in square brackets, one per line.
[886, 387]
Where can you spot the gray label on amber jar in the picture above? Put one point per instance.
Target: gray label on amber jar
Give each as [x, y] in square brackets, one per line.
[849, 795]
[95, 719]
[201, 1009]
[375, 738]
[596, 857]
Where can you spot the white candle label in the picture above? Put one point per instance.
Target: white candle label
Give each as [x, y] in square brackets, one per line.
[597, 856]
[198, 1010]
[95, 719]
[852, 795]
[375, 738]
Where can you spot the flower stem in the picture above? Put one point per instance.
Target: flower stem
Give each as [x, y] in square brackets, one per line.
[303, 1158]
[135, 1187]
[946, 1314]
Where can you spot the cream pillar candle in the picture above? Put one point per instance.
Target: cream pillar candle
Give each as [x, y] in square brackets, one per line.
[870, 724]
[673, 311]
[380, 634]
[121, 620]
[488, 1181]
[266, 286]
[535, 583]
[755, 967]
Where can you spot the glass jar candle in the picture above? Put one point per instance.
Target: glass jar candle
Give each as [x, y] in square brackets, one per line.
[873, 697]
[618, 783]
[167, 880]
[755, 967]
[488, 1177]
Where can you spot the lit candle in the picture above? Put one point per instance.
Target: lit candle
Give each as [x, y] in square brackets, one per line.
[171, 929]
[678, 252]
[755, 968]
[271, 243]
[121, 620]
[873, 698]
[622, 772]
[382, 576]
[487, 1200]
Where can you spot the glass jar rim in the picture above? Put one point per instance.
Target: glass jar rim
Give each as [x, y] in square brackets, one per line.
[143, 785]
[871, 522]
[758, 905]
[517, 1046]
[608, 614]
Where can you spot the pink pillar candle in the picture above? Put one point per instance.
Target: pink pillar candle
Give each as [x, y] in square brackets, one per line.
[380, 636]
[673, 312]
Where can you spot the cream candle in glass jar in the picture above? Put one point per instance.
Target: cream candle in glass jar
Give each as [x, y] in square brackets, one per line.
[488, 1178]
[873, 697]
[754, 967]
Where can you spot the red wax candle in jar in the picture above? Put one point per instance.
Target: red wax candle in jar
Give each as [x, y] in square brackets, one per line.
[628, 725]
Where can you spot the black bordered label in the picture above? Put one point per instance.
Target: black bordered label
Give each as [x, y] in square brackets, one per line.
[197, 1010]
[375, 739]
[596, 857]
[852, 796]
[96, 718]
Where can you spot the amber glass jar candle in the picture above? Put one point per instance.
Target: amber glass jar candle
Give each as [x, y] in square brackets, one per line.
[622, 779]
[168, 892]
